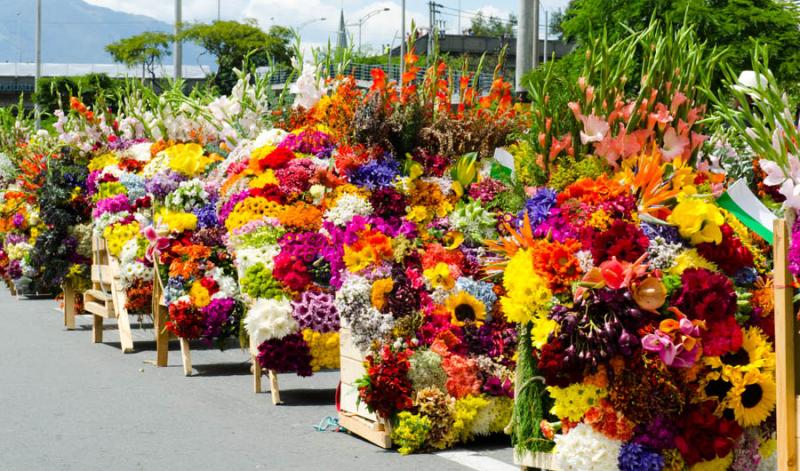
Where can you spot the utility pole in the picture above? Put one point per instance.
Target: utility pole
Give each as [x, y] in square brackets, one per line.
[535, 62]
[546, 33]
[177, 46]
[219, 10]
[38, 75]
[402, 39]
[524, 43]
[459, 17]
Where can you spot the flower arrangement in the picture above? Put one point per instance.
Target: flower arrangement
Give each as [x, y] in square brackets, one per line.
[636, 342]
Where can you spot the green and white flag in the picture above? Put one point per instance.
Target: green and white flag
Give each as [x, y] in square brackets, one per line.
[748, 209]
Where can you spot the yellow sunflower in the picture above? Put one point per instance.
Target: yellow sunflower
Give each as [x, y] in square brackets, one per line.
[754, 354]
[464, 307]
[752, 398]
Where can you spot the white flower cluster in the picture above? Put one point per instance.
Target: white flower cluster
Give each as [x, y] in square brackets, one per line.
[661, 254]
[131, 269]
[347, 207]
[189, 195]
[583, 448]
[18, 251]
[105, 220]
[249, 256]
[228, 287]
[307, 90]
[270, 319]
[355, 309]
[585, 260]
[139, 152]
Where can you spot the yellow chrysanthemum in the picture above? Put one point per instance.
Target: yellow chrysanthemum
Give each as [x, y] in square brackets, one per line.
[599, 220]
[199, 295]
[117, 235]
[717, 464]
[380, 289]
[188, 159]
[177, 221]
[690, 259]
[439, 276]
[698, 221]
[324, 349]
[102, 161]
[266, 178]
[357, 260]
[575, 400]
[527, 295]
[252, 209]
[465, 307]
[418, 214]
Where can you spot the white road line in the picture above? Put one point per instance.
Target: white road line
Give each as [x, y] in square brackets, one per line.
[475, 460]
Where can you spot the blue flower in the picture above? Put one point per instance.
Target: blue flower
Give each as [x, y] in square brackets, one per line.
[134, 184]
[635, 457]
[480, 290]
[538, 206]
[206, 216]
[375, 174]
[668, 233]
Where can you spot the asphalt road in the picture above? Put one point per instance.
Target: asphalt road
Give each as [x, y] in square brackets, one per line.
[68, 404]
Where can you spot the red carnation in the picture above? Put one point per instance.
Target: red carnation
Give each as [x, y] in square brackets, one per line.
[291, 272]
[270, 192]
[730, 255]
[623, 240]
[276, 159]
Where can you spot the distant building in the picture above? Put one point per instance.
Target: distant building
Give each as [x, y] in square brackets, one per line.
[474, 46]
[18, 77]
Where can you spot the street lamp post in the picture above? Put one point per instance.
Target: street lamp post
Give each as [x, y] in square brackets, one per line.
[178, 47]
[306, 23]
[402, 39]
[364, 19]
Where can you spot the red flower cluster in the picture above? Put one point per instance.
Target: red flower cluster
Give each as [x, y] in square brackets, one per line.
[270, 192]
[623, 240]
[730, 255]
[185, 321]
[710, 297]
[286, 355]
[702, 436]
[552, 366]
[276, 159]
[389, 390]
[291, 271]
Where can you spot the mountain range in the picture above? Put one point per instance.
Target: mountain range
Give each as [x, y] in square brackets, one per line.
[75, 32]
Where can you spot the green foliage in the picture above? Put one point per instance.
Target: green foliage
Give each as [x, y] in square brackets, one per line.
[145, 49]
[492, 26]
[532, 400]
[235, 45]
[53, 93]
[259, 283]
[724, 23]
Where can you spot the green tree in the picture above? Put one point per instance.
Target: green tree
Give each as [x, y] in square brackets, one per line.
[492, 26]
[233, 43]
[727, 23]
[146, 49]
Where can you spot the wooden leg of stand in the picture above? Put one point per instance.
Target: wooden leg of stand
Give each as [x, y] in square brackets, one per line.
[69, 308]
[125, 335]
[256, 376]
[785, 351]
[273, 387]
[186, 356]
[97, 329]
[162, 336]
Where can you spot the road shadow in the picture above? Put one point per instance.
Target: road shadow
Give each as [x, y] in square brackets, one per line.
[307, 397]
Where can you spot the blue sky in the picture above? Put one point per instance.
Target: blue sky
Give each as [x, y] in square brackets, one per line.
[377, 31]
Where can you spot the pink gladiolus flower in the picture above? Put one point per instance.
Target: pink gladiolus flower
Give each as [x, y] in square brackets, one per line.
[674, 145]
[594, 129]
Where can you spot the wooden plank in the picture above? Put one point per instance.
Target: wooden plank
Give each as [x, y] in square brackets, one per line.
[347, 348]
[529, 459]
[348, 402]
[257, 374]
[373, 432]
[784, 351]
[97, 329]
[125, 334]
[186, 357]
[69, 307]
[159, 321]
[274, 389]
[351, 370]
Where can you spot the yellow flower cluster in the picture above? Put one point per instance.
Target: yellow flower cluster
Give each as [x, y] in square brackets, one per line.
[690, 259]
[118, 235]
[575, 400]
[466, 410]
[324, 349]
[527, 296]
[698, 220]
[252, 209]
[439, 276]
[357, 260]
[266, 178]
[199, 295]
[188, 159]
[102, 161]
[177, 221]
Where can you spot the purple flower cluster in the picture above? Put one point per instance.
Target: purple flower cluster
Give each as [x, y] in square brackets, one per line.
[658, 434]
[163, 183]
[794, 250]
[115, 204]
[207, 216]
[18, 220]
[217, 314]
[316, 311]
[668, 233]
[486, 190]
[309, 142]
